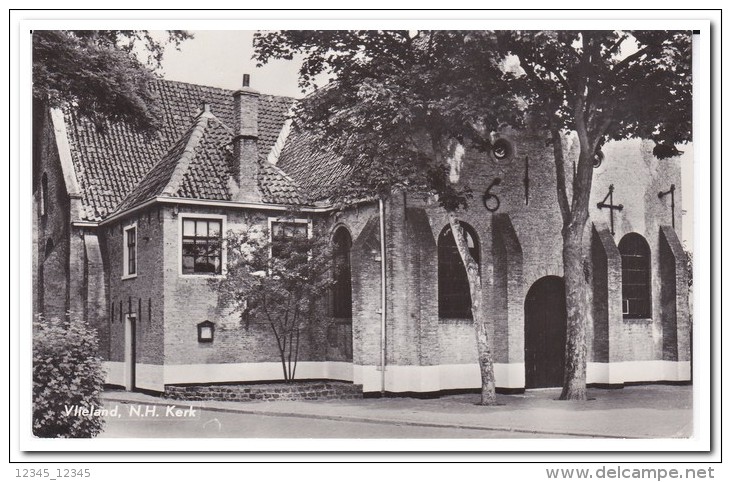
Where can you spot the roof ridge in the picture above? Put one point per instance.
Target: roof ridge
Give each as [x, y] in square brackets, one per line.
[222, 89]
[276, 149]
[186, 158]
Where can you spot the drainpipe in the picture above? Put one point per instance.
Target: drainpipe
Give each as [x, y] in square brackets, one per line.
[383, 294]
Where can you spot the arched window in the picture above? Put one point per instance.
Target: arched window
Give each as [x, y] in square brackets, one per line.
[342, 292]
[454, 289]
[635, 276]
[44, 194]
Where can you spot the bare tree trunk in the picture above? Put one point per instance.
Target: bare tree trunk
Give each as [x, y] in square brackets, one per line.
[296, 353]
[282, 349]
[482, 333]
[577, 315]
[576, 277]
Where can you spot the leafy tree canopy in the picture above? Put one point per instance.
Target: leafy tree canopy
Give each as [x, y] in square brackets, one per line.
[607, 84]
[403, 98]
[105, 74]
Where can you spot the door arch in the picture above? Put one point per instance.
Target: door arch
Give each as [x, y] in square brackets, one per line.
[545, 333]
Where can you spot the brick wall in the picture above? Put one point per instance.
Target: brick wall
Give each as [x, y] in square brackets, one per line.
[189, 300]
[52, 269]
[510, 298]
[531, 249]
[142, 295]
[365, 259]
[608, 331]
[674, 297]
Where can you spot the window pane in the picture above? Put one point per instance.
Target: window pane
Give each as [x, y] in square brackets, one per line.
[635, 254]
[188, 247]
[214, 228]
[201, 247]
[201, 229]
[188, 227]
[300, 230]
[188, 264]
[276, 230]
[454, 292]
[470, 241]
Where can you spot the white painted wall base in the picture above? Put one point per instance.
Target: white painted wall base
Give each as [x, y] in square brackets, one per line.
[638, 371]
[399, 378]
[148, 377]
[114, 373]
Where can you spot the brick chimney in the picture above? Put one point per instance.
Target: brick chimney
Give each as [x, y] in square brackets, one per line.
[246, 151]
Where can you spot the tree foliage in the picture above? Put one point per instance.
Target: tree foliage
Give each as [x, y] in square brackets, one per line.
[67, 373]
[103, 74]
[280, 282]
[400, 98]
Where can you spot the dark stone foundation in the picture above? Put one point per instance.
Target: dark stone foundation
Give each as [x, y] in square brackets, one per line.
[268, 392]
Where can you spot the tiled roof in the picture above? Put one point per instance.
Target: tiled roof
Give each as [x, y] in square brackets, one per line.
[315, 170]
[279, 188]
[196, 166]
[110, 164]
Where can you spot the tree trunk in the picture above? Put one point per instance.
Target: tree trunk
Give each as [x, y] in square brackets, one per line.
[576, 277]
[482, 333]
[577, 315]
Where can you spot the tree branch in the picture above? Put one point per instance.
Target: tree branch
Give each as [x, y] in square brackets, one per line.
[563, 201]
[631, 58]
[616, 45]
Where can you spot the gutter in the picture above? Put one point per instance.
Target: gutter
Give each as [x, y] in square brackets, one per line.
[383, 294]
[220, 204]
[211, 203]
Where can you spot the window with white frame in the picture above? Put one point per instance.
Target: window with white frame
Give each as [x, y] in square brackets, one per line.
[285, 232]
[130, 252]
[202, 246]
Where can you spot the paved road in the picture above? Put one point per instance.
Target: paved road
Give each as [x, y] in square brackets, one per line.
[139, 421]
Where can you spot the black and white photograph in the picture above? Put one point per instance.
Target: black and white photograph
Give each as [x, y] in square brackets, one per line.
[468, 235]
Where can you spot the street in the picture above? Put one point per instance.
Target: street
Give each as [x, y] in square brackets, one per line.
[209, 423]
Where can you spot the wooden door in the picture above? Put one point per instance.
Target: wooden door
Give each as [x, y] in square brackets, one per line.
[545, 333]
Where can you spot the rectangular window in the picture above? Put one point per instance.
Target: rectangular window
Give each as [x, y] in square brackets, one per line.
[287, 232]
[130, 252]
[202, 244]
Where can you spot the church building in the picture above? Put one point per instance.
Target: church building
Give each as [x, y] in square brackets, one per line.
[128, 229]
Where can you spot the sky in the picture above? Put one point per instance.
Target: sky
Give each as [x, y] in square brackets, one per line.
[219, 58]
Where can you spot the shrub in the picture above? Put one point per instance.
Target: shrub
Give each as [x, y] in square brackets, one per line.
[67, 373]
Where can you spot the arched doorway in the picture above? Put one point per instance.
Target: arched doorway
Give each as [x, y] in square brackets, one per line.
[545, 333]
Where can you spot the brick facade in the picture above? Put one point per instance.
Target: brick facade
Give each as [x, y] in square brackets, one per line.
[520, 243]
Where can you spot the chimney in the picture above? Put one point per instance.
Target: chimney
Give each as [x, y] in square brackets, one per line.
[246, 134]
